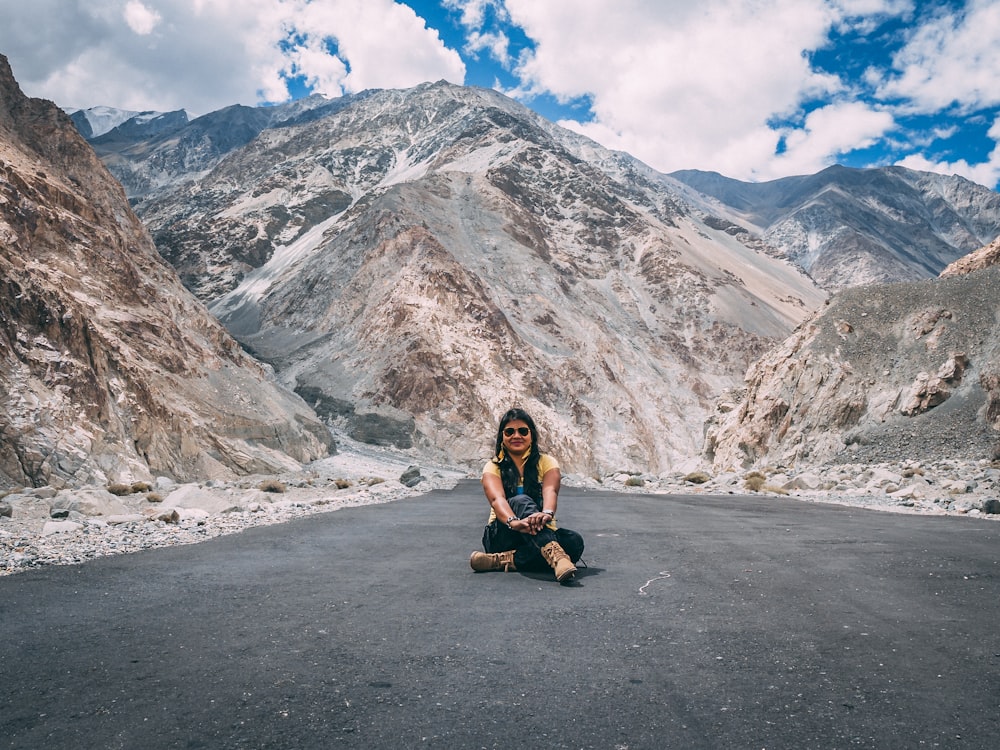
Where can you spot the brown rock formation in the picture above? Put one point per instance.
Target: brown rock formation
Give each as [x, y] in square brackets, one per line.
[109, 369]
[982, 258]
[895, 372]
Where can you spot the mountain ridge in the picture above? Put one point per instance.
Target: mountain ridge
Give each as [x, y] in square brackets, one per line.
[147, 154]
[848, 227]
[843, 226]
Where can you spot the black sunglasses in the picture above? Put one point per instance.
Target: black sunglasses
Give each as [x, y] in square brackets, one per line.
[522, 431]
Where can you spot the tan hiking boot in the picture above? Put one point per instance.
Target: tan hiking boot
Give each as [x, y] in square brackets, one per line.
[482, 561]
[556, 556]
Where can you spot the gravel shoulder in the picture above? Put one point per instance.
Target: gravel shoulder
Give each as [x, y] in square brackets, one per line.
[45, 526]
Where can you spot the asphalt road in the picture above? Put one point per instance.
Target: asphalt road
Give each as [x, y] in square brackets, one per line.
[701, 622]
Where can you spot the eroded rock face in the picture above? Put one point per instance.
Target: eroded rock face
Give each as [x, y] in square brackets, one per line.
[109, 368]
[983, 258]
[902, 371]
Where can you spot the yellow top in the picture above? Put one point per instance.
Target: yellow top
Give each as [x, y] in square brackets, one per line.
[545, 464]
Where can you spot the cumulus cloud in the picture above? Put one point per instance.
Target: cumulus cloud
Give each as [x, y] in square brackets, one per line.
[386, 45]
[206, 54]
[826, 133]
[984, 173]
[678, 83]
[141, 19]
[952, 60]
[473, 12]
[728, 85]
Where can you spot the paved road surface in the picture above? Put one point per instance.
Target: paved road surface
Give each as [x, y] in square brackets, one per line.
[730, 622]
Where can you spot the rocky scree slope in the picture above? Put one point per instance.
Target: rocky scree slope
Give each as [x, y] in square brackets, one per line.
[906, 371]
[417, 261]
[849, 227]
[109, 369]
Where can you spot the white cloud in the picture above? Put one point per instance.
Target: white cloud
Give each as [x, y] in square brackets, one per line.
[473, 18]
[473, 12]
[206, 54]
[866, 14]
[678, 83]
[951, 60]
[827, 132]
[496, 44]
[984, 173]
[141, 19]
[386, 45]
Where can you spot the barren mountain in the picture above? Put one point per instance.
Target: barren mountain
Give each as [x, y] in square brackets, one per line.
[414, 262]
[885, 373]
[849, 227]
[845, 227]
[109, 369]
[148, 152]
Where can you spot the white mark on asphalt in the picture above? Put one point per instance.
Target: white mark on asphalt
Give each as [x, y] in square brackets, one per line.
[663, 574]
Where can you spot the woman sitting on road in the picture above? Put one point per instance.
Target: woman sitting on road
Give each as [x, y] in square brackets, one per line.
[522, 486]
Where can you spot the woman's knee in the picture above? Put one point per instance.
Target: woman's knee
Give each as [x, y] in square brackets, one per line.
[498, 538]
[522, 505]
[571, 542]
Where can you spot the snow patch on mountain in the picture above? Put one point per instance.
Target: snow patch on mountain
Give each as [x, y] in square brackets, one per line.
[259, 281]
[103, 119]
[403, 170]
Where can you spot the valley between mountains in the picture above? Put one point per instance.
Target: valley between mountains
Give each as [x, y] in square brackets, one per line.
[222, 297]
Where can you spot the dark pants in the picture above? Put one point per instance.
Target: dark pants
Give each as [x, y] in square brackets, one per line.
[498, 538]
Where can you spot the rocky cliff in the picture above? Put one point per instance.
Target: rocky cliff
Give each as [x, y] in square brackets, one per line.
[109, 368]
[985, 257]
[884, 373]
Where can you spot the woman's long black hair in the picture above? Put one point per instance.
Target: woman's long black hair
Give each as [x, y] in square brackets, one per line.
[509, 474]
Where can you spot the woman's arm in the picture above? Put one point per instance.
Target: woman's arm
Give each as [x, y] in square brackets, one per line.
[550, 491]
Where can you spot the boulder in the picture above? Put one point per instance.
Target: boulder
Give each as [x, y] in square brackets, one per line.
[195, 515]
[209, 500]
[411, 477]
[94, 502]
[60, 527]
[805, 481]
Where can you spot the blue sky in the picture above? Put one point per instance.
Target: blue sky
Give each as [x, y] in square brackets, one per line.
[754, 89]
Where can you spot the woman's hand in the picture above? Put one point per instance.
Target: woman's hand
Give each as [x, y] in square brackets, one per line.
[530, 524]
[522, 526]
